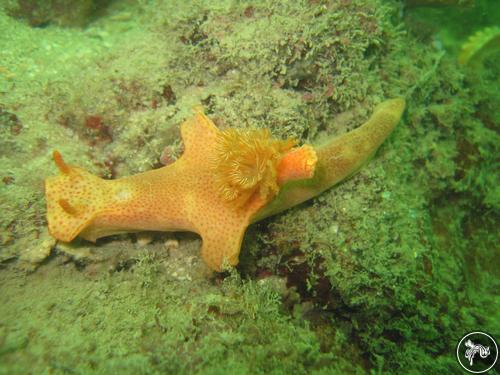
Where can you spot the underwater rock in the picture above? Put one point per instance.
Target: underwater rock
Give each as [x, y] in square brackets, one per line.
[40, 13]
[33, 256]
[418, 3]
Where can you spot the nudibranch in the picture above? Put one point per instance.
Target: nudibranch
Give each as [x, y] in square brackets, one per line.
[224, 181]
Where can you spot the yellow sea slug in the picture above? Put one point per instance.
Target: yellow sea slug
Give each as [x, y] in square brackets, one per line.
[224, 181]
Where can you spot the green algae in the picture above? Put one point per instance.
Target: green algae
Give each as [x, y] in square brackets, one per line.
[383, 274]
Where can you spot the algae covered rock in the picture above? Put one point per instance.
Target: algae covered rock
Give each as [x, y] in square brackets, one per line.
[39, 13]
[382, 274]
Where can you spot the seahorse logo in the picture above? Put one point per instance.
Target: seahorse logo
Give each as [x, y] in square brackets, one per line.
[484, 351]
[477, 352]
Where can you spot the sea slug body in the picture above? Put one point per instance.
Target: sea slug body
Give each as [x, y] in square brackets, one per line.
[223, 182]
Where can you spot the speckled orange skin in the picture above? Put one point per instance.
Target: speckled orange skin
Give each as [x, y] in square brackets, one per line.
[179, 197]
[184, 197]
[339, 158]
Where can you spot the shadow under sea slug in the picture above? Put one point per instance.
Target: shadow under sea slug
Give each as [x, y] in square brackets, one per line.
[223, 182]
